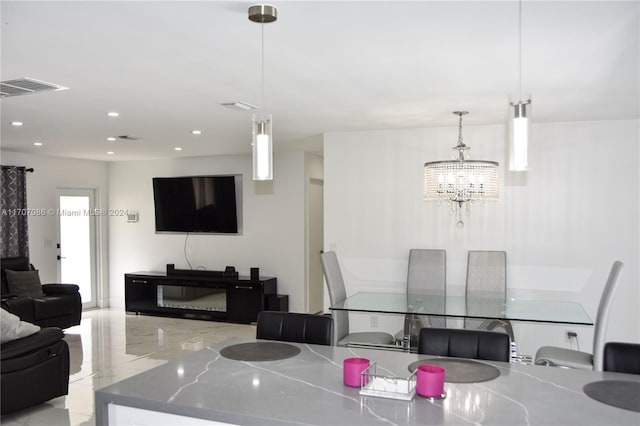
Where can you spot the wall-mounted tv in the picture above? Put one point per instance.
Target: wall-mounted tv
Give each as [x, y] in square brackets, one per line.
[197, 204]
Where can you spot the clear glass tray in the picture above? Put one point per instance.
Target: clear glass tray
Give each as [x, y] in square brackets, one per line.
[374, 384]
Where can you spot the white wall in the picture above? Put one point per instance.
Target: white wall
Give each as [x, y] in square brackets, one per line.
[562, 223]
[52, 173]
[273, 237]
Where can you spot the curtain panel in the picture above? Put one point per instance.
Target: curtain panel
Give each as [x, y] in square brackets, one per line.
[14, 231]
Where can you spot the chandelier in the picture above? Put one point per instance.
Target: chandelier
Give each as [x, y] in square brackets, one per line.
[460, 181]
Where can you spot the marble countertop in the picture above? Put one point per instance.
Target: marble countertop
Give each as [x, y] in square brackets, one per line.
[308, 389]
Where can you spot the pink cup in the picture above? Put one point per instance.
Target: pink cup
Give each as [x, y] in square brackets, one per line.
[430, 380]
[352, 369]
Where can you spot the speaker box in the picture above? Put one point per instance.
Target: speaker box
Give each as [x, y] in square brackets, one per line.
[278, 302]
[255, 274]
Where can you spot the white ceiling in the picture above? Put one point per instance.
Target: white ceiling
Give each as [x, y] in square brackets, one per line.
[166, 66]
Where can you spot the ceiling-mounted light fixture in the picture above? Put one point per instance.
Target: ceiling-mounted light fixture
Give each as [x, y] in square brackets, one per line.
[262, 121]
[519, 115]
[461, 181]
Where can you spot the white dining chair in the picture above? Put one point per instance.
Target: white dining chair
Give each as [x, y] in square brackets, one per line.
[337, 294]
[487, 275]
[427, 276]
[563, 357]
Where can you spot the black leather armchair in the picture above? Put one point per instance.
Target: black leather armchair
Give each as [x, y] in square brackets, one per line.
[60, 306]
[465, 343]
[622, 357]
[295, 327]
[33, 369]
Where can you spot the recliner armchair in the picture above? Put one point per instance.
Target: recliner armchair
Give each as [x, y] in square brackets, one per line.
[33, 369]
[60, 306]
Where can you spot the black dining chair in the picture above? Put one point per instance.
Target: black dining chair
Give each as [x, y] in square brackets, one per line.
[295, 327]
[464, 343]
[621, 357]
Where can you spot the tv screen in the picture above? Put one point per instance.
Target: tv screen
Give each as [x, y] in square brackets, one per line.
[196, 204]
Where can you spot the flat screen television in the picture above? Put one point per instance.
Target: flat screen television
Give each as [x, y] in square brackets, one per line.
[206, 204]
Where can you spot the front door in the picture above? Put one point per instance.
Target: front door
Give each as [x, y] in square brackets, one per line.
[77, 242]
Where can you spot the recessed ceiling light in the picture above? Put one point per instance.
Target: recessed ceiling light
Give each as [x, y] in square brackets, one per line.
[17, 123]
[37, 143]
[177, 148]
[196, 132]
[111, 138]
[113, 114]
[110, 152]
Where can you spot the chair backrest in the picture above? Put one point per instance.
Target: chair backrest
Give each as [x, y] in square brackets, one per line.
[603, 314]
[337, 293]
[622, 357]
[427, 271]
[486, 272]
[461, 343]
[427, 274]
[486, 276]
[295, 327]
[12, 264]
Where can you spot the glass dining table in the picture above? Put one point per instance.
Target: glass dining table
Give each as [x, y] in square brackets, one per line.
[488, 306]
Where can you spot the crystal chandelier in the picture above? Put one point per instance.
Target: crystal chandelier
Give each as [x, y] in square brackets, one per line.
[461, 181]
[262, 122]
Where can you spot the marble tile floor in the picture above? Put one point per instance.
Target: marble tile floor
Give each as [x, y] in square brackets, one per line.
[110, 345]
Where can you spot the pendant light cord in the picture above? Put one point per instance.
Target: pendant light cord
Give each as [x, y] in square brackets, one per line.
[262, 64]
[520, 51]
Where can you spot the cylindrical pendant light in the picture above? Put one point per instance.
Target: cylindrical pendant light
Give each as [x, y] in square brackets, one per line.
[262, 122]
[262, 146]
[519, 134]
[519, 115]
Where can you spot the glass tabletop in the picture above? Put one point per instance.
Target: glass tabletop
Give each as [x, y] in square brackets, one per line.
[489, 307]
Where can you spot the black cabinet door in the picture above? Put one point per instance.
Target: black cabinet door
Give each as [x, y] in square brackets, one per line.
[245, 302]
[140, 294]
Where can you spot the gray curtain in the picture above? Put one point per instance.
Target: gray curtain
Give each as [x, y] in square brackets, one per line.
[13, 215]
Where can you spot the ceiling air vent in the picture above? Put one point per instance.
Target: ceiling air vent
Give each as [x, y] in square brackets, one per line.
[239, 106]
[128, 137]
[25, 86]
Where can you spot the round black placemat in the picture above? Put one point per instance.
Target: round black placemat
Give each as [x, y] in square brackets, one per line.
[461, 370]
[260, 351]
[619, 393]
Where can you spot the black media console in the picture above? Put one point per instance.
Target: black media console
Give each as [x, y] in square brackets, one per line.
[200, 294]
